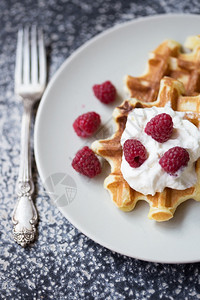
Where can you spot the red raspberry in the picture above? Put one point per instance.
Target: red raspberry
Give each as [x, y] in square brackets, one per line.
[86, 124]
[105, 92]
[86, 162]
[174, 159]
[135, 153]
[160, 127]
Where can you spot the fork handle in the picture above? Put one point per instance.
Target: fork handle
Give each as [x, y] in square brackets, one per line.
[25, 214]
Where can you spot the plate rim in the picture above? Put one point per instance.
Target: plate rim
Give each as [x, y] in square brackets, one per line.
[44, 98]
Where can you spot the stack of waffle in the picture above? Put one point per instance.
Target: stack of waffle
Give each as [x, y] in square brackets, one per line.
[172, 76]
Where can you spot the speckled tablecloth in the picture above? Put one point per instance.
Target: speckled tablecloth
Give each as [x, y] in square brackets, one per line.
[63, 263]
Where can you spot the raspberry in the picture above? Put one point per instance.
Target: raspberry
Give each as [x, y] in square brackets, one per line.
[105, 92]
[135, 153]
[86, 124]
[174, 159]
[160, 127]
[86, 162]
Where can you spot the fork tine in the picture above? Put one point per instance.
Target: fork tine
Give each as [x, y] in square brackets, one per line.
[26, 64]
[30, 70]
[18, 65]
[34, 55]
[42, 58]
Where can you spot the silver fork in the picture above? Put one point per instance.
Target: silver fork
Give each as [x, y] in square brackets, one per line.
[30, 80]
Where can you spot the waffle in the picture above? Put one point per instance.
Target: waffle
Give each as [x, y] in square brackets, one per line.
[168, 59]
[164, 204]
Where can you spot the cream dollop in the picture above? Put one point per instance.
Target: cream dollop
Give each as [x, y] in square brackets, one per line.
[150, 178]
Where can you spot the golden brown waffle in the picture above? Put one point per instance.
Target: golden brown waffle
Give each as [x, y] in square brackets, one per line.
[162, 205]
[168, 59]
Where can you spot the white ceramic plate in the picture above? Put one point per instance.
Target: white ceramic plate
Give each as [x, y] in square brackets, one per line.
[119, 51]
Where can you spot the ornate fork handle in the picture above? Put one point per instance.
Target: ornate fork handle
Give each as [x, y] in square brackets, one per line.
[25, 215]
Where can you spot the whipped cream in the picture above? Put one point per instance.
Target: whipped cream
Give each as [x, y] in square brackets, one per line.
[150, 178]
